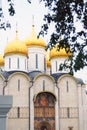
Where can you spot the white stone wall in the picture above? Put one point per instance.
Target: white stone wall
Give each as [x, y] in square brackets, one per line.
[55, 65]
[82, 107]
[57, 120]
[48, 70]
[72, 97]
[20, 99]
[49, 86]
[80, 99]
[18, 124]
[1, 85]
[65, 124]
[32, 51]
[20, 95]
[31, 108]
[68, 100]
[14, 63]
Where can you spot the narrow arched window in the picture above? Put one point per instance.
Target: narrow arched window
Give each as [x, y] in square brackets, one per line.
[25, 64]
[43, 85]
[18, 63]
[9, 63]
[36, 61]
[18, 112]
[44, 64]
[18, 84]
[67, 86]
[56, 66]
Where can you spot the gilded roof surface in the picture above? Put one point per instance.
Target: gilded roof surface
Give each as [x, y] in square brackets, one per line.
[54, 52]
[16, 47]
[33, 40]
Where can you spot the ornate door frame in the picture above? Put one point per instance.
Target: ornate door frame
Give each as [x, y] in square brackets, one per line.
[44, 111]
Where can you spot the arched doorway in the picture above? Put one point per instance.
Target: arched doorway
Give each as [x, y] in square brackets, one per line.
[44, 111]
[44, 126]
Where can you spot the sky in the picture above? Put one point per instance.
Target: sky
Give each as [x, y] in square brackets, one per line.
[23, 18]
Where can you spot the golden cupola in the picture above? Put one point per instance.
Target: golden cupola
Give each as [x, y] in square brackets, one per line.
[1, 60]
[54, 52]
[33, 40]
[16, 47]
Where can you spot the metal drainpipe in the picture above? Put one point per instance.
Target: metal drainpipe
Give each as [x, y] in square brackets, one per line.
[5, 81]
[29, 101]
[58, 102]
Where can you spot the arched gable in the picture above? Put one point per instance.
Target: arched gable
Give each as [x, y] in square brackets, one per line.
[68, 88]
[67, 75]
[18, 87]
[43, 82]
[46, 75]
[19, 73]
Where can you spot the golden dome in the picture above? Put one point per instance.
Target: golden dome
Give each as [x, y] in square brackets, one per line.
[54, 52]
[32, 40]
[48, 59]
[16, 47]
[1, 60]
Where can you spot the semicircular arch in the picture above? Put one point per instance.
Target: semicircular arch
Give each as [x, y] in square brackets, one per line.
[67, 75]
[39, 75]
[44, 125]
[20, 73]
[42, 92]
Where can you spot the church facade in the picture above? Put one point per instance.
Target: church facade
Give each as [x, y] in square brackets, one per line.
[44, 98]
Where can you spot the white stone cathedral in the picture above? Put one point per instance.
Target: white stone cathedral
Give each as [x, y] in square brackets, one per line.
[44, 98]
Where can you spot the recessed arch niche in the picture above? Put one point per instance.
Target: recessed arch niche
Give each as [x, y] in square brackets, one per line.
[44, 111]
